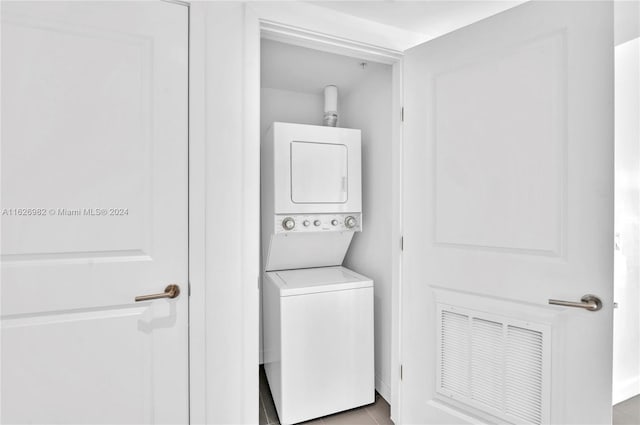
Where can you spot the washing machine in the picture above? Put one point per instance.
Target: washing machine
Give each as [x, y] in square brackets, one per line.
[318, 341]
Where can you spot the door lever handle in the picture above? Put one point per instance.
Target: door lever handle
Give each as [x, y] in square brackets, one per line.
[170, 292]
[588, 302]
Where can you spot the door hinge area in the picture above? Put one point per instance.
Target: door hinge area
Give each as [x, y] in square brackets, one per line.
[189, 288]
[402, 114]
[401, 243]
[401, 372]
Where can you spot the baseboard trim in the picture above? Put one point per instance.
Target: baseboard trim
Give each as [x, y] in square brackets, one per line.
[626, 389]
[383, 389]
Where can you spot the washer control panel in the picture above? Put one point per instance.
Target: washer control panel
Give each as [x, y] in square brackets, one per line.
[350, 222]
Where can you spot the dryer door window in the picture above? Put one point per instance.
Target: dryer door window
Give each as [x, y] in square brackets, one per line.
[318, 173]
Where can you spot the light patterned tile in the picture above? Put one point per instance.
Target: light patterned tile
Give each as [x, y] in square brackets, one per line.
[620, 418]
[318, 421]
[380, 411]
[270, 409]
[358, 416]
[267, 400]
[262, 415]
[630, 407]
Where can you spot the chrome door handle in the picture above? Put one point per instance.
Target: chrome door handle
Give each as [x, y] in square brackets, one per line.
[170, 292]
[588, 302]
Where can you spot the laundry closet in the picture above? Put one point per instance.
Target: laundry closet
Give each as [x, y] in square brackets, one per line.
[292, 95]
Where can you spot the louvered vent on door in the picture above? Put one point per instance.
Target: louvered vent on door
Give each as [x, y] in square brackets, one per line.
[494, 364]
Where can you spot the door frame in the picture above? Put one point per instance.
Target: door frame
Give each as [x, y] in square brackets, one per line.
[261, 23]
[224, 202]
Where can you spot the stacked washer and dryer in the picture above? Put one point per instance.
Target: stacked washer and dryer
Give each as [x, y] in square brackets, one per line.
[317, 315]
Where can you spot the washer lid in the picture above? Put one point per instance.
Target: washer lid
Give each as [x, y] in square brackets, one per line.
[321, 279]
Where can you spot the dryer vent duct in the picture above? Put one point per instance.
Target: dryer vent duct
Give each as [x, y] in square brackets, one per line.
[330, 106]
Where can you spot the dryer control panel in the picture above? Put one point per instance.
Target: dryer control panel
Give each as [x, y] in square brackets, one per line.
[290, 223]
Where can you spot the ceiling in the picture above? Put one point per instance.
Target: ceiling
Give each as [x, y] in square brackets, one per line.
[430, 18]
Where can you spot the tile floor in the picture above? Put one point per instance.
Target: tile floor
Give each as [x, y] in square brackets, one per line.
[373, 414]
[627, 412]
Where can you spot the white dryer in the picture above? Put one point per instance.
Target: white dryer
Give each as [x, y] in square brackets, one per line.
[318, 353]
[311, 195]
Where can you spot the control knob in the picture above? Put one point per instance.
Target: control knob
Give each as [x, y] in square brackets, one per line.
[334, 222]
[316, 223]
[288, 223]
[306, 223]
[350, 222]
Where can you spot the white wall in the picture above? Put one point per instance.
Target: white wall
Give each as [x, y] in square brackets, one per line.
[224, 214]
[626, 16]
[626, 344]
[367, 106]
[287, 106]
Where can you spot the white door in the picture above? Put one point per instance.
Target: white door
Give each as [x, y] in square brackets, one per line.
[94, 212]
[508, 203]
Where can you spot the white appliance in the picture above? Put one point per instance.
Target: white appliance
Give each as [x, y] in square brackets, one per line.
[318, 333]
[311, 195]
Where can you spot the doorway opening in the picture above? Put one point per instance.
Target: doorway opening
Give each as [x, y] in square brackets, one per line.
[626, 327]
[292, 82]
